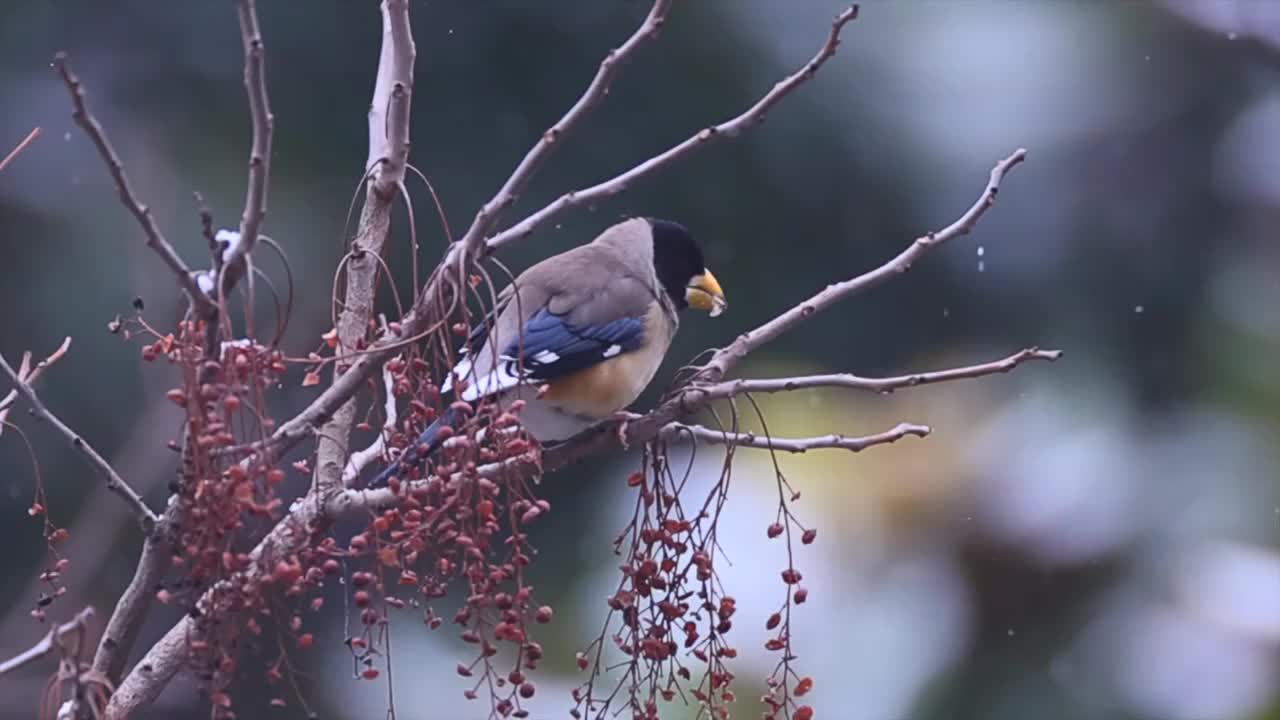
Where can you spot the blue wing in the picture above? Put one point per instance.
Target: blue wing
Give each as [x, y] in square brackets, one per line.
[553, 346]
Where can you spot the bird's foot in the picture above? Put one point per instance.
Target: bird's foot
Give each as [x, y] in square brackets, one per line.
[624, 418]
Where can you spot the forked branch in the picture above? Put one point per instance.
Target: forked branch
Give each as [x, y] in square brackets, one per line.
[732, 388]
[487, 218]
[751, 117]
[50, 643]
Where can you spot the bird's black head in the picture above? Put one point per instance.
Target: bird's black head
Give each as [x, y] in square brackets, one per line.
[676, 258]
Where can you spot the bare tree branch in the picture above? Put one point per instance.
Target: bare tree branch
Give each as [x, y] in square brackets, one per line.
[693, 395]
[360, 459]
[352, 502]
[130, 612]
[728, 129]
[699, 433]
[17, 150]
[510, 191]
[333, 412]
[131, 609]
[392, 97]
[51, 642]
[115, 483]
[732, 388]
[371, 237]
[155, 239]
[255, 202]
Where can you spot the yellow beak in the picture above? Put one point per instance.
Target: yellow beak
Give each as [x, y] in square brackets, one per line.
[704, 293]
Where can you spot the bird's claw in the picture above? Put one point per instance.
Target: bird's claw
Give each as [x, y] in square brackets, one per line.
[624, 418]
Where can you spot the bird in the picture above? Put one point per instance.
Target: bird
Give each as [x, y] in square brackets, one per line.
[579, 335]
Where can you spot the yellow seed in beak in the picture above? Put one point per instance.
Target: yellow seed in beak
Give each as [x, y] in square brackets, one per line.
[704, 293]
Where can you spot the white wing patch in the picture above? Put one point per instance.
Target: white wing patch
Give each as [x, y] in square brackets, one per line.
[461, 370]
[502, 377]
[546, 357]
[612, 350]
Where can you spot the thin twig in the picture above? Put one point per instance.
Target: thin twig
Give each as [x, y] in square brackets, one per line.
[255, 202]
[732, 388]
[510, 191]
[699, 433]
[115, 483]
[753, 116]
[29, 375]
[725, 359]
[51, 642]
[155, 239]
[17, 150]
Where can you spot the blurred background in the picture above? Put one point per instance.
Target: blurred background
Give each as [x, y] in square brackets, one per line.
[1097, 539]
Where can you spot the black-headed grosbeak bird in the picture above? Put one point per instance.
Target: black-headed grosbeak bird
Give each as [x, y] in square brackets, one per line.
[579, 335]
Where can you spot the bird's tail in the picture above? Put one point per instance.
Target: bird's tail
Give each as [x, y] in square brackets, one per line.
[426, 444]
